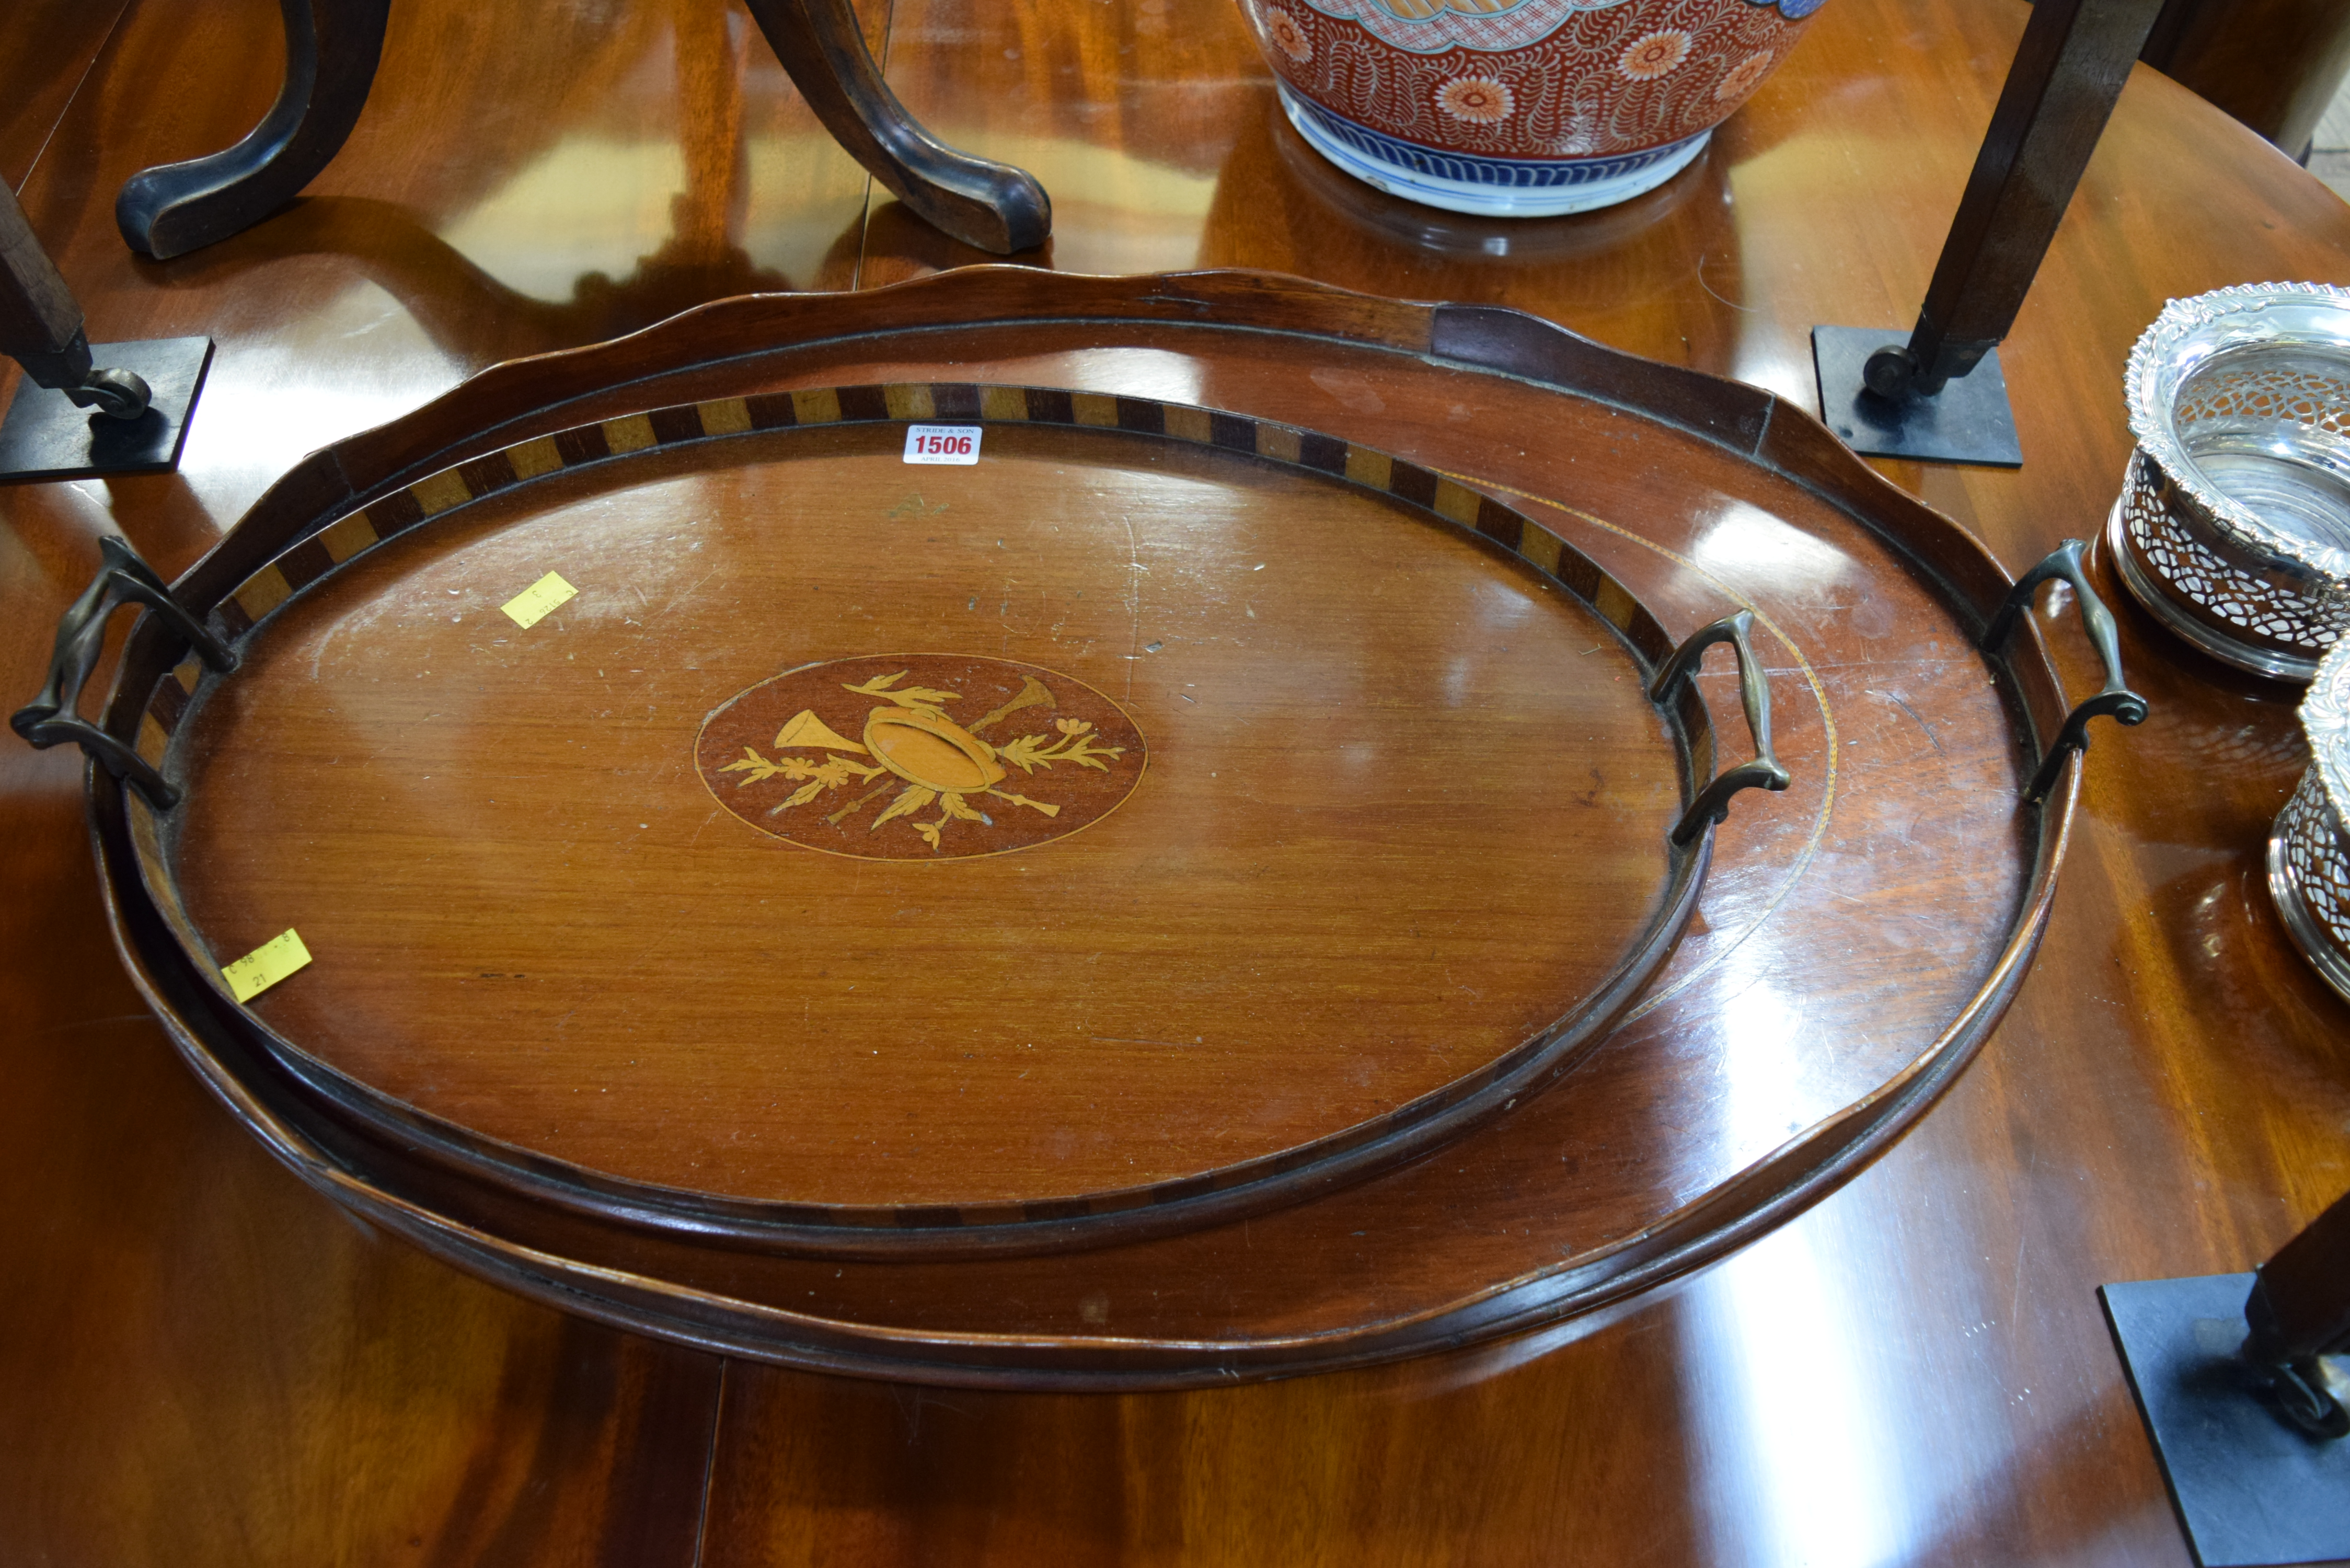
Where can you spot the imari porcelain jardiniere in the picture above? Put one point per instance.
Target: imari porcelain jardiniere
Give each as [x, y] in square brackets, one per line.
[1519, 107]
[2233, 523]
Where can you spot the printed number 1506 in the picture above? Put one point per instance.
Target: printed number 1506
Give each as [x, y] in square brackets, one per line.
[942, 443]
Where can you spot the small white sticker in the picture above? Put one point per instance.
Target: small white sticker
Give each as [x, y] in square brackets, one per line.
[942, 443]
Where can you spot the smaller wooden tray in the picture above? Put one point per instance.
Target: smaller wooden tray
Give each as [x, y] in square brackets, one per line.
[898, 952]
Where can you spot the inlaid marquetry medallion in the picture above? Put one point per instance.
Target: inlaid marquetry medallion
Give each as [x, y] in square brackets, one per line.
[912, 756]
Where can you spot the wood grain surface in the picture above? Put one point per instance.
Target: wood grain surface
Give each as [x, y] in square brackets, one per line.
[1913, 1372]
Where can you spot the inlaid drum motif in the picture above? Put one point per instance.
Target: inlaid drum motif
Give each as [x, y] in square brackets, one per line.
[910, 756]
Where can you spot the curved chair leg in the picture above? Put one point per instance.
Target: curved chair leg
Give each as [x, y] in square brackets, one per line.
[331, 50]
[993, 207]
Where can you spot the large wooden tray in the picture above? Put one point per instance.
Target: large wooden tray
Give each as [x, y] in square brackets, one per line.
[1854, 945]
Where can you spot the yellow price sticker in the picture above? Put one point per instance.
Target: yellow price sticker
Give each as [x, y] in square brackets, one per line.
[535, 603]
[265, 965]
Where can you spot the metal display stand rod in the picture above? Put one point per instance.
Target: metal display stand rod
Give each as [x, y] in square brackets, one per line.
[41, 325]
[2239, 1380]
[142, 391]
[1917, 400]
[2299, 1312]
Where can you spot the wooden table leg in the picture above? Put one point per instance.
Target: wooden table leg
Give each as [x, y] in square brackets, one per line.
[993, 207]
[331, 50]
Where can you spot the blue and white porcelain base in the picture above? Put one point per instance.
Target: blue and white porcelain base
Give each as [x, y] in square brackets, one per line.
[1486, 187]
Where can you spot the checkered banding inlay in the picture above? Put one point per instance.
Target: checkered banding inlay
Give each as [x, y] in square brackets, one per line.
[356, 533]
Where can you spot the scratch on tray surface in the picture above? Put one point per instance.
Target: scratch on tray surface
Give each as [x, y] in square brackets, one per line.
[1913, 713]
[2015, 1301]
[1133, 601]
[1709, 288]
[677, 600]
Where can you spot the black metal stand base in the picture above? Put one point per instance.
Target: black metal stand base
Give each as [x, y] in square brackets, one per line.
[46, 437]
[2250, 1489]
[1969, 420]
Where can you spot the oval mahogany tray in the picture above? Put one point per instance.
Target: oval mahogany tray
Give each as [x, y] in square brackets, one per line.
[1852, 948]
[894, 953]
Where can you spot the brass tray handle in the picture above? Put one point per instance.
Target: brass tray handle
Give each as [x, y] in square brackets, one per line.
[1713, 803]
[122, 579]
[2116, 701]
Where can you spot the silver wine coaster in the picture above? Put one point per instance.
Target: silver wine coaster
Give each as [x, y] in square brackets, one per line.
[2233, 523]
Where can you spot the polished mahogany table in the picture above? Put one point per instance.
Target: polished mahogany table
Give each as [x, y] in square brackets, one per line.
[201, 1362]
